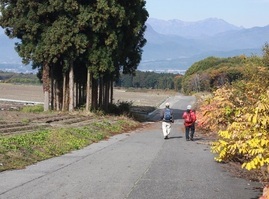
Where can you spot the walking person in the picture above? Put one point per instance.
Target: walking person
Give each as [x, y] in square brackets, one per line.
[189, 117]
[167, 118]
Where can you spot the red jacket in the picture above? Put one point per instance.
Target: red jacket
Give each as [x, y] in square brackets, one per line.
[189, 118]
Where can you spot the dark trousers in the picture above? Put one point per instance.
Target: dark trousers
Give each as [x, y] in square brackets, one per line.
[189, 131]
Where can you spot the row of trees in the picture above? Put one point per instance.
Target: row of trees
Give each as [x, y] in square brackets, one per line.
[205, 75]
[150, 80]
[79, 47]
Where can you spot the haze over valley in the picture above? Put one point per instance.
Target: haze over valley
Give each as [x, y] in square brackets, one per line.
[173, 45]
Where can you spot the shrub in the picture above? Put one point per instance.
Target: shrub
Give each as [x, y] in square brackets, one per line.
[33, 109]
[246, 137]
[120, 108]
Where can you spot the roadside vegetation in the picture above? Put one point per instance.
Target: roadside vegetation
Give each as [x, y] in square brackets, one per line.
[20, 150]
[236, 108]
[32, 109]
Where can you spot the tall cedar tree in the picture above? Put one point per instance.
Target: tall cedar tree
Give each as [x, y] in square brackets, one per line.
[63, 39]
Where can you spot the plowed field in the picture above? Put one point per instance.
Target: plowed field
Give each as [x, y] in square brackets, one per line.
[13, 97]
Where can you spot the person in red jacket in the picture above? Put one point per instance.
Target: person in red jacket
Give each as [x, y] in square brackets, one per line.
[189, 117]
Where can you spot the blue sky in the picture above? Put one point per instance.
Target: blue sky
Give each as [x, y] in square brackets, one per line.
[246, 13]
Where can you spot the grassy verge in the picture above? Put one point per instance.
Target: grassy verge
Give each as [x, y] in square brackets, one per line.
[18, 151]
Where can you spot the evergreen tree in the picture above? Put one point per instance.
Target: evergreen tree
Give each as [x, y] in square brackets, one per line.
[105, 37]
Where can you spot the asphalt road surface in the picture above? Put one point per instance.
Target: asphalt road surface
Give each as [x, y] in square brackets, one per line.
[135, 165]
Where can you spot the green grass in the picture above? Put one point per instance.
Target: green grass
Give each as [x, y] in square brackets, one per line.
[18, 151]
[33, 109]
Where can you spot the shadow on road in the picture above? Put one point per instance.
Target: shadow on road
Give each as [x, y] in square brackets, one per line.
[175, 137]
[155, 115]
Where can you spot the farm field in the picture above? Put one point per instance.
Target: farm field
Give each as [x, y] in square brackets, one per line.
[35, 93]
[13, 121]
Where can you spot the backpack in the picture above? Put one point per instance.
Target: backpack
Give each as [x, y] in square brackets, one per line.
[167, 114]
[188, 119]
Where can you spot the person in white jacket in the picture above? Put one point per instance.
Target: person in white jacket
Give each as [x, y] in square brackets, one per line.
[167, 118]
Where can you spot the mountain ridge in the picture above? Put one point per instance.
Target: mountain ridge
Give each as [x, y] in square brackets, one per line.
[206, 27]
[175, 45]
[200, 43]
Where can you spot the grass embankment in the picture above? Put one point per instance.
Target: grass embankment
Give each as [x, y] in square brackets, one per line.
[18, 151]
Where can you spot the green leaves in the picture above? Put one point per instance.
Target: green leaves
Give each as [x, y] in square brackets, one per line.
[105, 36]
[17, 151]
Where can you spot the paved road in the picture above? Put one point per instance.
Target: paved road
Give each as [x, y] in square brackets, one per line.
[139, 165]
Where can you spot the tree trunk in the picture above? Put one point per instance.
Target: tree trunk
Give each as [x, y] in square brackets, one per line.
[83, 92]
[46, 86]
[94, 93]
[111, 92]
[58, 96]
[71, 88]
[52, 93]
[101, 89]
[65, 92]
[75, 87]
[106, 93]
[88, 92]
[78, 95]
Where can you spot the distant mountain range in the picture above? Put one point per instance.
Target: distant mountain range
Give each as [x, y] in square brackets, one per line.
[174, 45]
[8, 53]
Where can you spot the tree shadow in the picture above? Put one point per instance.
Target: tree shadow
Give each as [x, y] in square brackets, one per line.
[156, 114]
[152, 114]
